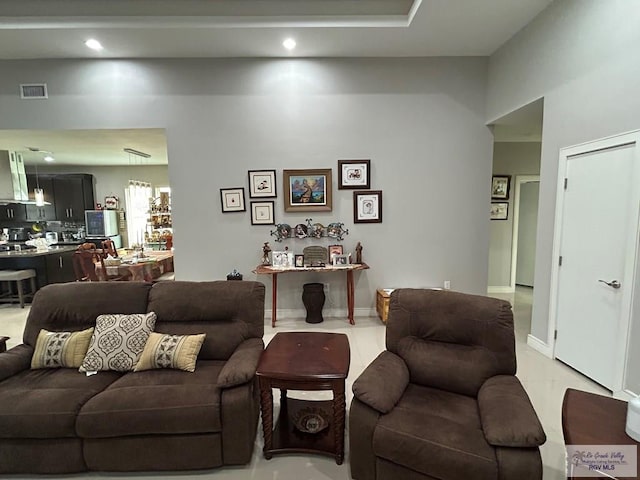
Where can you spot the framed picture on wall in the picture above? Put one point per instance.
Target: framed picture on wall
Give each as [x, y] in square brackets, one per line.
[307, 190]
[500, 186]
[262, 213]
[499, 210]
[367, 206]
[262, 183]
[354, 174]
[232, 200]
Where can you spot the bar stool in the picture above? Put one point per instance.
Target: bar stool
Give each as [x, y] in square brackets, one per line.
[17, 276]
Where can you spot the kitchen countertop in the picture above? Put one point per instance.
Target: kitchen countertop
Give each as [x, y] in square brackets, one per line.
[26, 253]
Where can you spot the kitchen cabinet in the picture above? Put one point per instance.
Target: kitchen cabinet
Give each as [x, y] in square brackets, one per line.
[13, 213]
[60, 267]
[46, 212]
[73, 194]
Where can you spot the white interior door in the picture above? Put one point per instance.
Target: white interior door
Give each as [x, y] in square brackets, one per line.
[599, 226]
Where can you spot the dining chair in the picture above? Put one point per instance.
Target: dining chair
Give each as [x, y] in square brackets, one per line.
[84, 263]
[109, 248]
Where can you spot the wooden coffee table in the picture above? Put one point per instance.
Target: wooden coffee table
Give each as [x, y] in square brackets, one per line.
[304, 361]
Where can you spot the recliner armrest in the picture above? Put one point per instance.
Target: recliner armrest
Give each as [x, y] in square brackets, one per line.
[15, 360]
[383, 382]
[507, 415]
[241, 366]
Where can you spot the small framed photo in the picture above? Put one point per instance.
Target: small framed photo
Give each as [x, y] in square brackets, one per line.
[111, 202]
[307, 190]
[367, 206]
[282, 259]
[354, 174]
[262, 184]
[299, 259]
[340, 260]
[262, 213]
[499, 210]
[500, 186]
[335, 250]
[232, 200]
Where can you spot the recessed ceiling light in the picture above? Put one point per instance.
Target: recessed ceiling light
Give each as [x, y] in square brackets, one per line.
[289, 44]
[93, 44]
[49, 158]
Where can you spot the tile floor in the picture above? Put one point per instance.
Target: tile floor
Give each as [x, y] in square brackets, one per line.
[545, 380]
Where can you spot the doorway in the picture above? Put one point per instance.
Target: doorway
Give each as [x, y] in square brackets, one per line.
[525, 222]
[596, 244]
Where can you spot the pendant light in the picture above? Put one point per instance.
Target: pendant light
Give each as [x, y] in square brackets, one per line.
[38, 192]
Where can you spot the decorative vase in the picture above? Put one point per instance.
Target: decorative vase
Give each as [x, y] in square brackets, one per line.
[313, 299]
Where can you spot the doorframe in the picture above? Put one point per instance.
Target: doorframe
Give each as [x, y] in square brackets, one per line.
[520, 179]
[628, 138]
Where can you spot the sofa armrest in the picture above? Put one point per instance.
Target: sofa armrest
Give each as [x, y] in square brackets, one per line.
[383, 382]
[241, 366]
[507, 415]
[15, 360]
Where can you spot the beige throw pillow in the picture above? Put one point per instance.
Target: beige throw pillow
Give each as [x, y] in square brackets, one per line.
[118, 342]
[170, 351]
[60, 349]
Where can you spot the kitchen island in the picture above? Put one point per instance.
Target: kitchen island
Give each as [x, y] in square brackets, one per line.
[52, 266]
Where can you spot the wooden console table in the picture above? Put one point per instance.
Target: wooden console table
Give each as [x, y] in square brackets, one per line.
[274, 271]
[304, 361]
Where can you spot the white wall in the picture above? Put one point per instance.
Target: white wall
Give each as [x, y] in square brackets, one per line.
[582, 57]
[509, 158]
[420, 121]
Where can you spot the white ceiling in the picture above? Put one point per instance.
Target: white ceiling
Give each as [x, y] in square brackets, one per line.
[36, 29]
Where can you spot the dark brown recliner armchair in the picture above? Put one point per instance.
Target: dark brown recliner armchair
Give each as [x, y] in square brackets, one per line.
[442, 402]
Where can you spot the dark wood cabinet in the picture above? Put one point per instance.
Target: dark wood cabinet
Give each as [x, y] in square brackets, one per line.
[13, 212]
[73, 194]
[46, 212]
[60, 267]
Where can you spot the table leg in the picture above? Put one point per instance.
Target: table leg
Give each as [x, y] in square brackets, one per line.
[350, 296]
[266, 407]
[339, 406]
[274, 298]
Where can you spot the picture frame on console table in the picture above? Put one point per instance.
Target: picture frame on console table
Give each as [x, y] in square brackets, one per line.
[307, 190]
[367, 206]
[262, 184]
[334, 250]
[299, 259]
[232, 200]
[354, 174]
[262, 213]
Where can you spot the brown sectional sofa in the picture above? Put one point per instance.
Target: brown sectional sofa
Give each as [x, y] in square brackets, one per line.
[62, 421]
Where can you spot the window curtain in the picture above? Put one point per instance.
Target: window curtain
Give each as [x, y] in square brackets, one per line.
[137, 196]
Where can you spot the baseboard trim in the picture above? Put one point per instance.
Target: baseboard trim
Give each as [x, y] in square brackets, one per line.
[497, 289]
[539, 346]
[326, 312]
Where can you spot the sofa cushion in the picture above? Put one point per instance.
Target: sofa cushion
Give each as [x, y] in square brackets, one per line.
[434, 432]
[44, 403]
[118, 341]
[155, 402]
[60, 349]
[170, 351]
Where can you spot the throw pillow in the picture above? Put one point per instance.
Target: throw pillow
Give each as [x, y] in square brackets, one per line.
[118, 342]
[60, 349]
[170, 351]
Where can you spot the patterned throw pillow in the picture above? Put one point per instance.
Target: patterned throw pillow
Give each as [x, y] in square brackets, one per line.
[60, 349]
[170, 351]
[118, 341]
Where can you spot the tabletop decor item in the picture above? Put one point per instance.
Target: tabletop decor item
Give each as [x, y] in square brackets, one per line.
[310, 420]
[232, 199]
[265, 254]
[307, 190]
[367, 206]
[315, 256]
[354, 174]
[262, 183]
[235, 275]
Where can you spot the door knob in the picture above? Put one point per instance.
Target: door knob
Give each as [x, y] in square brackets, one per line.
[612, 283]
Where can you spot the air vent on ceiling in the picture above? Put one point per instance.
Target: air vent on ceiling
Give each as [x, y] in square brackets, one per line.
[33, 90]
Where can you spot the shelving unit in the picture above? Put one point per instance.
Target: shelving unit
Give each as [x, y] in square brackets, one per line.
[159, 234]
